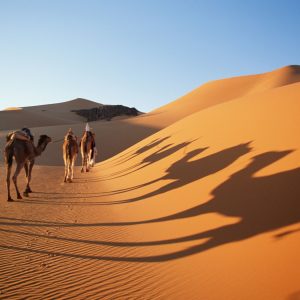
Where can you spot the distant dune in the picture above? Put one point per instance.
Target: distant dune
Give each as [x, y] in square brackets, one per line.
[44, 115]
[198, 199]
[13, 108]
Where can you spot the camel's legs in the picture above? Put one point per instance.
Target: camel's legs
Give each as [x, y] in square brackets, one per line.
[73, 162]
[17, 172]
[8, 172]
[28, 170]
[89, 162]
[31, 164]
[26, 167]
[66, 170]
[69, 170]
[87, 167]
[82, 165]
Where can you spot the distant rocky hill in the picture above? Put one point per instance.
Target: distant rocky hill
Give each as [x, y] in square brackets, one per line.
[107, 112]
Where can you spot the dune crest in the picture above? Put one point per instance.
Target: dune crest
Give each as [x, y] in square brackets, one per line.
[12, 108]
[223, 90]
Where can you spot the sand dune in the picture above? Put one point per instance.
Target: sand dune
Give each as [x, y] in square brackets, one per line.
[112, 137]
[64, 110]
[78, 103]
[44, 115]
[219, 91]
[205, 208]
[12, 108]
[16, 119]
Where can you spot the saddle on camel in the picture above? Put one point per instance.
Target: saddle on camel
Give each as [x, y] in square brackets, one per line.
[20, 146]
[24, 135]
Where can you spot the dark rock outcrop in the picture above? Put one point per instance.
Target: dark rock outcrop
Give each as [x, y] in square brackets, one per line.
[107, 112]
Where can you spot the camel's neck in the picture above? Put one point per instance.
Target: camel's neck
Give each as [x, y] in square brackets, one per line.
[40, 149]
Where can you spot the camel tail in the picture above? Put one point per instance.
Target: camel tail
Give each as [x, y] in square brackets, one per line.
[9, 154]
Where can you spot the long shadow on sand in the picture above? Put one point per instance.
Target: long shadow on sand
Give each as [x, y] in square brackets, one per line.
[184, 171]
[262, 204]
[188, 169]
[128, 155]
[154, 157]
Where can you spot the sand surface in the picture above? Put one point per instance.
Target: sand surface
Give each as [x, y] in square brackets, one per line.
[199, 199]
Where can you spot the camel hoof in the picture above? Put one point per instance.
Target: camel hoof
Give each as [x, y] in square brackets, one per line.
[25, 194]
[9, 199]
[19, 197]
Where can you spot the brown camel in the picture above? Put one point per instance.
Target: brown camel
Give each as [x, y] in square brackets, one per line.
[87, 145]
[24, 153]
[70, 151]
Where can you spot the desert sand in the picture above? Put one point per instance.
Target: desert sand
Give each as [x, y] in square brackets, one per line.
[198, 199]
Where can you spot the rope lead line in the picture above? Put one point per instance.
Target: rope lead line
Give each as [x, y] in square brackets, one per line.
[60, 140]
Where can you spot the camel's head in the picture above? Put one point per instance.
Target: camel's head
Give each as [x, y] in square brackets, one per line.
[44, 139]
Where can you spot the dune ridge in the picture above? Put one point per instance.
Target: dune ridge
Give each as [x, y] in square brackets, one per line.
[219, 91]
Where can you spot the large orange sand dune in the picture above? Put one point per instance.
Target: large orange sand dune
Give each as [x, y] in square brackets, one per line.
[205, 208]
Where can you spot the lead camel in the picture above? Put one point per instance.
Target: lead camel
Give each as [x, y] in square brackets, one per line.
[24, 152]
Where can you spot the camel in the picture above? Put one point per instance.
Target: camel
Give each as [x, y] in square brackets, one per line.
[87, 145]
[24, 153]
[70, 151]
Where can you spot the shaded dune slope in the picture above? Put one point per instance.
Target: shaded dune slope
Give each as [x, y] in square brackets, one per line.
[44, 115]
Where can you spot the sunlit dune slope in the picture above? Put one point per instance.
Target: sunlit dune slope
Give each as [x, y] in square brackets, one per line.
[219, 193]
[219, 91]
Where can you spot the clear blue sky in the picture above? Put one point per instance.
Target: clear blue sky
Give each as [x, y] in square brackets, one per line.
[142, 53]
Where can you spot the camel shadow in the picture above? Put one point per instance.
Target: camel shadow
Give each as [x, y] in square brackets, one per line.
[262, 204]
[128, 155]
[188, 169]
[151, 145]
[156, 156]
